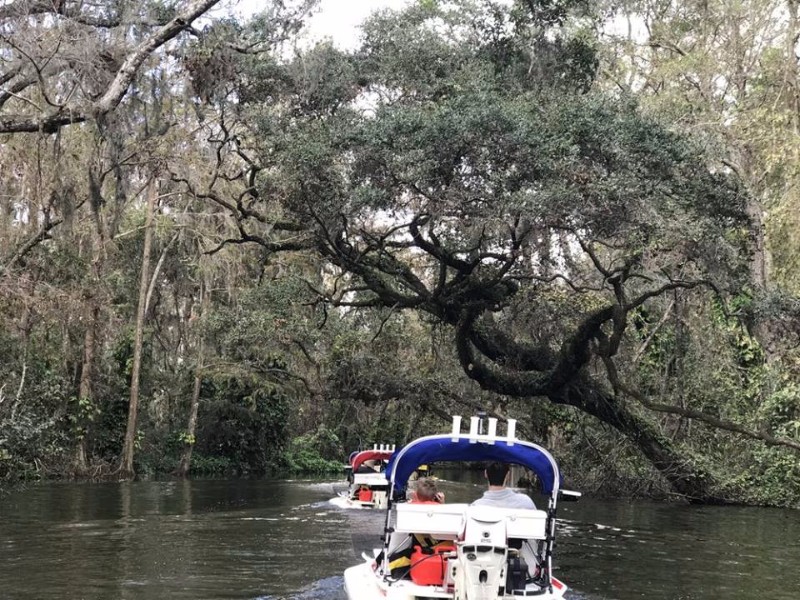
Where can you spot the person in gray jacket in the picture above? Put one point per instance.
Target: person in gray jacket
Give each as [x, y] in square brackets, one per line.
[498, 494]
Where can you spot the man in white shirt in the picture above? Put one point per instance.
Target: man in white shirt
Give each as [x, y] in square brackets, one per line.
[498, 494]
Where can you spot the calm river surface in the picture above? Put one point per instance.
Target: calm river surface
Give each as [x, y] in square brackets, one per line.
[280, 540]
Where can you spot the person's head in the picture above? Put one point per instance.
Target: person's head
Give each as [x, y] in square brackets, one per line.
[426, 490]
[496, 473]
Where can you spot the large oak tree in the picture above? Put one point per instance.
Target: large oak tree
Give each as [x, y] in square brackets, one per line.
[460, 164]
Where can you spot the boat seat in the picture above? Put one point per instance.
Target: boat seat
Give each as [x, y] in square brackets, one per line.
[524, 523]
[447, 521]
[520, 523]
[372, 479]
[442, 521]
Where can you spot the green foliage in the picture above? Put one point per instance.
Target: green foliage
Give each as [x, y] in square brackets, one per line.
[213, 465]
[485, 172]
[156, 453]
[774, 476]
[83, 413]
[780, 409]
[34, 439]
[315, 453]
[243, 421]
[213, 63]
[185, 438]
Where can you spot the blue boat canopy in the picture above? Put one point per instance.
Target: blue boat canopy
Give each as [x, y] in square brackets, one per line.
[446, 447]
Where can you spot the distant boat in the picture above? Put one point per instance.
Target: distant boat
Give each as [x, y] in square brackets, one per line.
[367, 478]
[479, 552]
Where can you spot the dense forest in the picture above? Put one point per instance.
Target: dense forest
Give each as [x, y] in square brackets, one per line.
[225, 249]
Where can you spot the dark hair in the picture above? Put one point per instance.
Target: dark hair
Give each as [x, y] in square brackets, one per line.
[496, 473]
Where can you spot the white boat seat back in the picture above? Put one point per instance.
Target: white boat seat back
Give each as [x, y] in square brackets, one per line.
[441, 521]
[527, 524]
[371, 479]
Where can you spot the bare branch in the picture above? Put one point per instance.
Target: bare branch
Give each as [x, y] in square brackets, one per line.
[519, 384]
[64, 9]
[14, 90]
[117, 89]
[768, 439]
[49, 124]
[646, 343]
[246, 238]
[154, 278]
[42, 235]
[666, 45]
[127, 71]
[672, 285]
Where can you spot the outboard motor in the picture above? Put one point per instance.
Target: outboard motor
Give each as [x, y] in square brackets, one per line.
[480, 570]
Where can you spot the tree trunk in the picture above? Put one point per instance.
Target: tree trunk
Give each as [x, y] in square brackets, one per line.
[759, 263]
[191, 427]
[126, 467]
[91, 310]
[568, 386]
[80, 464]
[189, 441]
[685, 478]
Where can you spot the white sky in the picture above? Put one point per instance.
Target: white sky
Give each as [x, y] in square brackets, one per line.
[335, 19]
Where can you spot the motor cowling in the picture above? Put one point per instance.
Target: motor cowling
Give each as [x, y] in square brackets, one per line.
[480, 569]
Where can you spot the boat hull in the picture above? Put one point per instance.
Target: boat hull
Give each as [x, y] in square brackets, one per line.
[361, 583]
[344, 502]
[349, 499]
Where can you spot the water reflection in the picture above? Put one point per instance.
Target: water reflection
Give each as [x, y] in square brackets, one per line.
[635, 550]
[207, 539]
[283, 540]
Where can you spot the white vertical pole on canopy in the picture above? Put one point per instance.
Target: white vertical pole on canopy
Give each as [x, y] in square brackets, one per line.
[456, 427]
[492, 429]
[473, 429]
[512, 431]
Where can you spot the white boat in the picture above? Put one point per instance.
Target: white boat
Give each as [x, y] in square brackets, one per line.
[367, 478]
[479, 552]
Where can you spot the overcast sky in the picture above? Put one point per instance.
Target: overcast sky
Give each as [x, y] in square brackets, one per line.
[335, 19]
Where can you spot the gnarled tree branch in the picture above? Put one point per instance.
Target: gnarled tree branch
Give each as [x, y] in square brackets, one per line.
[116, 90]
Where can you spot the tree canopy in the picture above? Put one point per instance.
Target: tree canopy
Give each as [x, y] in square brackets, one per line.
[480, 206]
[462, 165]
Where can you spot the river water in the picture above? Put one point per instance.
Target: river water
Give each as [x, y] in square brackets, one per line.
[281, 540]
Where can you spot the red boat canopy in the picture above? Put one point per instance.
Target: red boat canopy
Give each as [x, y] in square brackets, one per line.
[366, 455]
